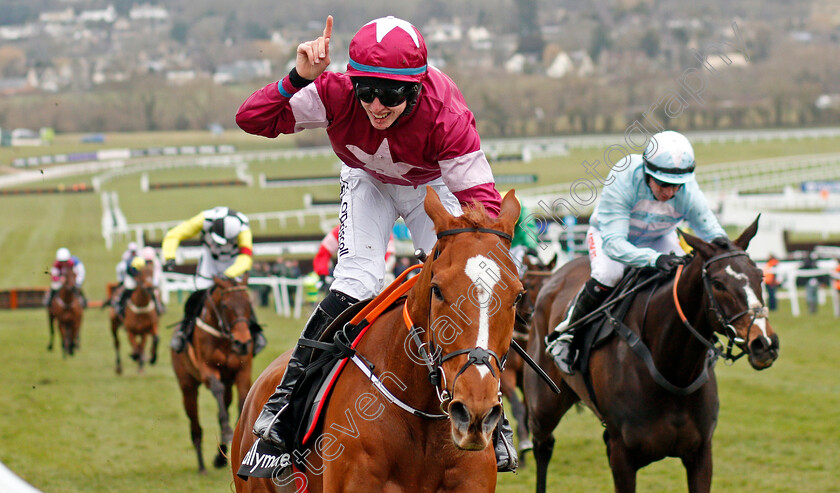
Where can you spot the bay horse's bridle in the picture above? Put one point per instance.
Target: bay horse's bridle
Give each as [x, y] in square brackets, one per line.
[713, 344]
[225, 330]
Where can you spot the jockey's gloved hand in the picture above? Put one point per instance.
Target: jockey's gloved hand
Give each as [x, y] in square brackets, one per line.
[721, 241]
[169, 266]
[668, 262]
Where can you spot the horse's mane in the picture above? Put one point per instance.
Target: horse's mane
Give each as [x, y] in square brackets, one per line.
[475, 215]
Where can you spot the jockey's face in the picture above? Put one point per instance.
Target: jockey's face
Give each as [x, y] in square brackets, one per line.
[381, 116]
[662, 191]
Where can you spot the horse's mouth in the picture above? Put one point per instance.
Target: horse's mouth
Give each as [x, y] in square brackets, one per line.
[471, 432]
[470, 441]
[763, 352]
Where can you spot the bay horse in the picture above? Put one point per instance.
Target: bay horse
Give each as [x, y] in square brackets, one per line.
[141, 321]
[66, 308]
[535, 274]
[664, 403]
[218, 355]
[437, 354]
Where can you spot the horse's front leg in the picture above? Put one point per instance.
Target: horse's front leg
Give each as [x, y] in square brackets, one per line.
[698, 469]
[222, 394]
[115, 325]
[623, 469]
[52, 331]
[155, 341]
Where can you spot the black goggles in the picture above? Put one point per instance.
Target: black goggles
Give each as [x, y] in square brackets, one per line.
[663, 184]
[388, 96]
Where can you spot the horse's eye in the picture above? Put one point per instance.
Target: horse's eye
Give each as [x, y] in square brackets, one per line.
[519, 297]
[437, 293]
[718, 285]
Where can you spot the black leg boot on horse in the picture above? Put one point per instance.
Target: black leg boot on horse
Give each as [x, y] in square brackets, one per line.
[562, 348]
[271, 425]
[191, 310]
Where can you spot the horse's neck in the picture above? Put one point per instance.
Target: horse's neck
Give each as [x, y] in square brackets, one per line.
[390, 347]
[140, 296]
[676, 351]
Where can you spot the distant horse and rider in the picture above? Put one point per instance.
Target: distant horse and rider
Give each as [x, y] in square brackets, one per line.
[218, 355]
[139, 315]
[418, 406]
[65, 308]
[647, 363]
[534, 276]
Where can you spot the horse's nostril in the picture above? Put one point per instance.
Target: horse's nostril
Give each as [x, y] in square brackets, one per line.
[459, 414]
[491, 419]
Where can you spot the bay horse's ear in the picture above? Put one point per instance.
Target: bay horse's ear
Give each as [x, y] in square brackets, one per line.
[552, 263]
[706, 250]
[245, 278]
[435, 209]
[743, 241]
[510, 211]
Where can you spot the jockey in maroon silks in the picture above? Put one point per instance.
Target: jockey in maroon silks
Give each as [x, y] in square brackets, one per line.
[397, 125]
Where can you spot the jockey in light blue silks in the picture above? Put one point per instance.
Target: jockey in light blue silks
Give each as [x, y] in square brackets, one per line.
[643, 200]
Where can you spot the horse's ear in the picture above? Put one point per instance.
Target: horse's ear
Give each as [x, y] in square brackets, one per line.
[705, 249]
[743, 241]
[245, 278]
[510, 210]
[552, 263]
[434, 207]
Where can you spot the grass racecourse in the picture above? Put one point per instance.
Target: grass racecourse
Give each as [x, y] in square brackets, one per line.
[73, 425]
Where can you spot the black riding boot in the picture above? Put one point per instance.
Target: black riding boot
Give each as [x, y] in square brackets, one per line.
[257, 334]
[506, 458]
[191, 309]
[82, 296]
[50, 297]
[590, 297]
[124, 296]
[271, 426]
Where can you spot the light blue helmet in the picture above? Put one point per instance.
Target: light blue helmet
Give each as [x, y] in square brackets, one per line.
[669, 158]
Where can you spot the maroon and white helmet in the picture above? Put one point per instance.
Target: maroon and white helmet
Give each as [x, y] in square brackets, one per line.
[388, 48]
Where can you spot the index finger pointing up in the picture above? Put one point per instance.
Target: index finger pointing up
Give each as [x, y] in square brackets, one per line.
[328, 27]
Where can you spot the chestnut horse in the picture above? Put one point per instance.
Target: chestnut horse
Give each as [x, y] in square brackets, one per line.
[66, 308]
[219, 355]
[657, 396]
[437, 355]
[141, 321]
[532, 280]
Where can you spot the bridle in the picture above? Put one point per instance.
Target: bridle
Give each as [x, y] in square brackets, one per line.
[713, 343]
[431, 354]
[225, 329]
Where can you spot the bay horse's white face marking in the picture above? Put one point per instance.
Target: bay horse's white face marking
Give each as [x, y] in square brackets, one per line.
[484, 273]
[752, 300]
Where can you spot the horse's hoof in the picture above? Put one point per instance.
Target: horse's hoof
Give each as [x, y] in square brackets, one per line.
[202, 472]
[118, 370]
[220, 461]
[153, 359]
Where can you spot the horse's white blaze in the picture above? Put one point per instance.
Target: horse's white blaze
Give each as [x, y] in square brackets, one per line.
[484, 273]
[752, 300]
